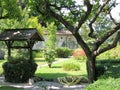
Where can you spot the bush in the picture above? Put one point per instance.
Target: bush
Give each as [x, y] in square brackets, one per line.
[18, 71]
[105, 84]
[110, 80]
[99, 71]
[38, 53]
[63, 52]
[71, 67]
[18, 53]
[79, 54]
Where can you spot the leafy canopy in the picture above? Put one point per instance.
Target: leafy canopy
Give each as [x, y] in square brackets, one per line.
[9, 9]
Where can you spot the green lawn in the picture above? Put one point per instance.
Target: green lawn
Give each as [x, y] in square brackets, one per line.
[110, 79]
[57, 70]
[41, 61]
[1, 62]
[9, 88]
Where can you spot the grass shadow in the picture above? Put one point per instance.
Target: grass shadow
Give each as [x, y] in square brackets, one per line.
[115, 61]
[9, 88]
[51, 75]
[39, 60]
[56, 66]
[112, 68]
[113, 71]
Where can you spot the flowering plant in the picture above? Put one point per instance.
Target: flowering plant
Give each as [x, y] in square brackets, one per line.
[79, 54]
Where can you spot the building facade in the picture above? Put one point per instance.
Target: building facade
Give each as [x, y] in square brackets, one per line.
[64, 39]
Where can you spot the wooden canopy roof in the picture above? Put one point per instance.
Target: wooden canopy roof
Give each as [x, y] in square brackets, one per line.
[25, 34]
[30, 35]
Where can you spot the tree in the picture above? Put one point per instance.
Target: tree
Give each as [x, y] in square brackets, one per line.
[73, 14]
[9, 9]
[10, 13]
[50, 44]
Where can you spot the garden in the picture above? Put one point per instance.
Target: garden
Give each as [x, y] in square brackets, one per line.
[91, 31]
[66, 66]
[74, 66]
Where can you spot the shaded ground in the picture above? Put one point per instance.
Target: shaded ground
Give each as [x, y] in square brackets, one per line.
[42, 85]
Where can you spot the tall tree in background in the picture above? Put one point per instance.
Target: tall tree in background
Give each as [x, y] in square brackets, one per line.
[50, 53]
[94, 13]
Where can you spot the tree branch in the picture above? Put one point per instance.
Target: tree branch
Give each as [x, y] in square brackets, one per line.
[108, 34]
[94, 19]
[109, 12]
[38, 9]
[105, 37]
[114, 44]
[112, 19]
[70, 28]
[59, 18]
[85, 17]
[82, 44]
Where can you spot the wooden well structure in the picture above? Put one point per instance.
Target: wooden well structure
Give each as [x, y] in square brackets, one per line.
[29, 35]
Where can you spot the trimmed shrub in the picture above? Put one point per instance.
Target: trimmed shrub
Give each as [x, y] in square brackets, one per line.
[105, 84]
[71, 67]
[99, 71]
[63, 52]
[18, 71]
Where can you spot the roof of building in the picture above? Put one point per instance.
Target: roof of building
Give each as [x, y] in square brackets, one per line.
[61, 32]
[24, 34]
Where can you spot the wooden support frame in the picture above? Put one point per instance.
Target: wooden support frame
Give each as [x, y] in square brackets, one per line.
[30, 44]
[9, 43]
[29, 35]
[29, 47]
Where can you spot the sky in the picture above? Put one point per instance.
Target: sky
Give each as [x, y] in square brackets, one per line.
[115, 12]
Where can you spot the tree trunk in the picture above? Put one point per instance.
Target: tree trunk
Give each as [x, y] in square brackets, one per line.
[49, 64]
[91, 69]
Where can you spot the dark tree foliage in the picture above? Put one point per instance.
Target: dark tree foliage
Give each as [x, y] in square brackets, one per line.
[95, 14]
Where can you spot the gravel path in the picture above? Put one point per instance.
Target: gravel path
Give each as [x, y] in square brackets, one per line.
[63, 59]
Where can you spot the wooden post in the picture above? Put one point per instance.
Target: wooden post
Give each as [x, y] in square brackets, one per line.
[9, 50]
[30, 54]
[8, 43]
[30, 45]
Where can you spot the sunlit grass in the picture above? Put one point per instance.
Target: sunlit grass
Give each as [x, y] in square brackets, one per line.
[58, 71]
[110, 54]
[41, 61]
[1, 62]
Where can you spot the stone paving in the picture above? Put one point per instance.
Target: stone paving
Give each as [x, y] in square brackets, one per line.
[43, 85]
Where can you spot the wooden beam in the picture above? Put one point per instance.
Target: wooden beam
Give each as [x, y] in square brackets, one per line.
[30, 43]
[9, 43]
[18, 47]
